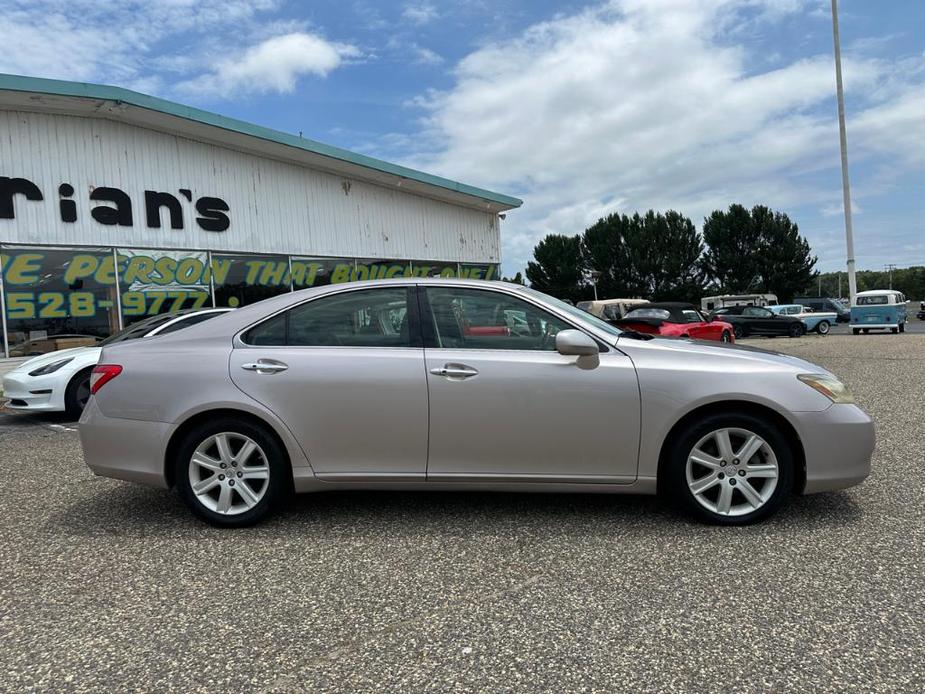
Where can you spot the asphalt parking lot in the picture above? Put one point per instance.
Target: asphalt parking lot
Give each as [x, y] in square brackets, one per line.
[105, 585]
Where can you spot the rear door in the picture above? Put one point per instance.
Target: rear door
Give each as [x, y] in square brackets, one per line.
[504, 405]
[345, 372]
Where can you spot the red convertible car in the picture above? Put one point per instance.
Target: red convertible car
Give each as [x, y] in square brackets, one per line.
[675, 320]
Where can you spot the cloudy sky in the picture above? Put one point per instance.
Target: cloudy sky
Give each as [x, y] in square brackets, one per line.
[580, 108]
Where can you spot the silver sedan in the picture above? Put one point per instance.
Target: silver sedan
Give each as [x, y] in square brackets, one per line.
[451, 385]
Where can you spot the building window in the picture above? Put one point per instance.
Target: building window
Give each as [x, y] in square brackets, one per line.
[155, 282]
[318, 272]
[434, 268]
[57, 297]
[469, 271]
[245, 279]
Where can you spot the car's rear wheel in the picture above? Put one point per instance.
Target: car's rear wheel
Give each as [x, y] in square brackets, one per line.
[823, 328]
[855, 331]
[231, 472]
[894, 330]
[730, 469]
[725, 337]
[738, 331]
[77, 394]
[796, 330]
[902, 327]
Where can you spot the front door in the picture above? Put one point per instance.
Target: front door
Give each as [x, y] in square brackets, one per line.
[345, 373]
[504, 405]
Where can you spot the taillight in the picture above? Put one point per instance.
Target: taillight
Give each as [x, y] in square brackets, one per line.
[103, 374]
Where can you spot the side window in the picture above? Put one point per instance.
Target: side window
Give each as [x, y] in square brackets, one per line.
[368, 318]
[479, 319]
[691, 316]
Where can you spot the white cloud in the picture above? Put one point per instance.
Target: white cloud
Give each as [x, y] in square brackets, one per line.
[273, 65]
[90, 40]
[420, 13]
[644, 103]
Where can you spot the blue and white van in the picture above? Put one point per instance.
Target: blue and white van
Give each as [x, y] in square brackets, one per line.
[879, 309]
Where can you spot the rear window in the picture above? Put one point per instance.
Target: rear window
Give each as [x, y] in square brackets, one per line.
[873, 300]
[659, 313]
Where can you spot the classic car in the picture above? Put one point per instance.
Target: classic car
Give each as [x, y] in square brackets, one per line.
[820, 304]
[758, 320]
[675, 319]
[879, 309]
[819, 322]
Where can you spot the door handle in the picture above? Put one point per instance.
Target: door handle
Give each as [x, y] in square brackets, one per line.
[455, 371]
[265, 367]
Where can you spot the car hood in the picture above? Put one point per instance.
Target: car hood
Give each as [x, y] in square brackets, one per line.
[722, 350]
[91, 354]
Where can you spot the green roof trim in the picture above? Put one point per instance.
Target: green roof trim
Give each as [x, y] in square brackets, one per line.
[87, 90]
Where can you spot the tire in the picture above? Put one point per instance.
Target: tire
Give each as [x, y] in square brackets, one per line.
[775, 451]
[902, 327]
[894, 330]
[855, 331]
[796, 330]
[823, 328]
[725, 337]
[255, 497]
[738, 331]
[77, 393]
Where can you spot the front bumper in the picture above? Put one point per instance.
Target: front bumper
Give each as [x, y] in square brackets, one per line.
[32, 393]
[125, 449]
[838, 444]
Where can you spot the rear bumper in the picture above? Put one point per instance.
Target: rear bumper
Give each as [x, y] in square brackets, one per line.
[838, 444]
[124, 449]
[874, 326]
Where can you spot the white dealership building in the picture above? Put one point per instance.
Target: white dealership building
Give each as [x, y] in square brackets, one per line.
[115, 205]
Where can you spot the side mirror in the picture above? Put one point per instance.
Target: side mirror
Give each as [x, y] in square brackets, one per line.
[575, 343]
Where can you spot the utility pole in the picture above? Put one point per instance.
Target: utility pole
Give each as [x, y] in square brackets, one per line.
[819, 293]
[890, 267]
[839, 285]
[843, 137]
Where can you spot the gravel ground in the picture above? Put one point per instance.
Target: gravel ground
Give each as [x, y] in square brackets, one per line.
[105, 585]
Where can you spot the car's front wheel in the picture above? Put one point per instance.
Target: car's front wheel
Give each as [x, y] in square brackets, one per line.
[231, 472]
[730, 469]
[725, 337]
[77, 394]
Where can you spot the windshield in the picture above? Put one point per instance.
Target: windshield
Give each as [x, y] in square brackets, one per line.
[577, 313]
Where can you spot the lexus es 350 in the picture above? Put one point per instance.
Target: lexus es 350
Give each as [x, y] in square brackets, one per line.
[463, 385]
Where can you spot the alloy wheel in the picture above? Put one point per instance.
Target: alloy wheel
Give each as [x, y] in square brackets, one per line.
[732, 472]
[229, 473]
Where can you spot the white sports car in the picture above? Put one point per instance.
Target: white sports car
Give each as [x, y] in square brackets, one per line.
[60, 381]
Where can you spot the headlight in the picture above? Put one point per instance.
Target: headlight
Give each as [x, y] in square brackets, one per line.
[50, 368]
[829, 386]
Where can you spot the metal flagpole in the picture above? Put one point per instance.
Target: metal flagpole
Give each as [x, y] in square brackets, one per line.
[846, 189]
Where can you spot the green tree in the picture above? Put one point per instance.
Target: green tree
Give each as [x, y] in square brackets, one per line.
[756, 251]
[557, 267]
[604, 249]
[730, 260]
[653, 256]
